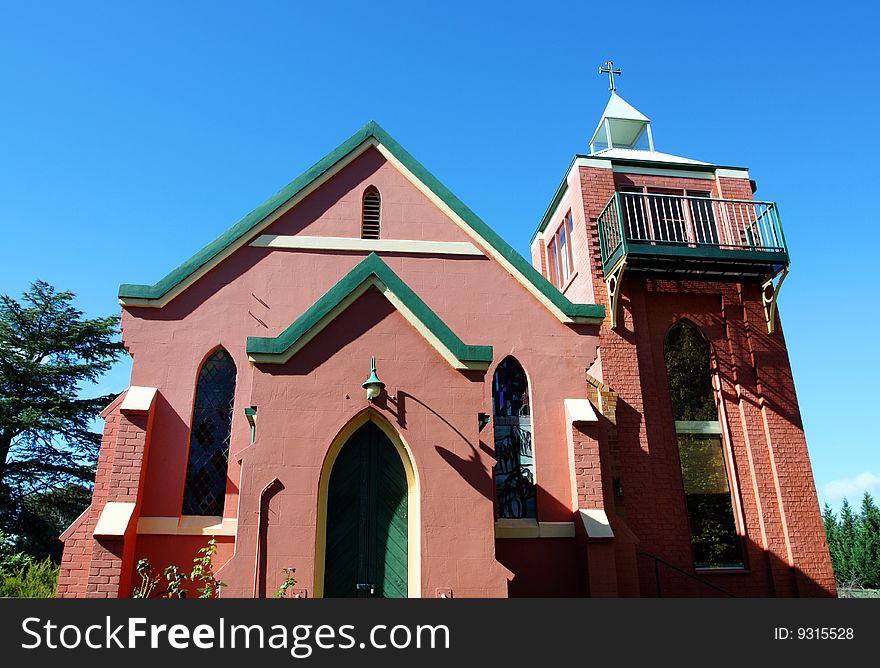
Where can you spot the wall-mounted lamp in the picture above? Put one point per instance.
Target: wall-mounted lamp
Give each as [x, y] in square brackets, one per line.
[373, 385]
[251, 414]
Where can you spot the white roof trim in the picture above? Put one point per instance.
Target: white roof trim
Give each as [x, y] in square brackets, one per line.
[652, 156]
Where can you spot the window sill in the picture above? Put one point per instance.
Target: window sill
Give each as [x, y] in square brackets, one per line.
[188, 525]
[529, 528]
[723, 571]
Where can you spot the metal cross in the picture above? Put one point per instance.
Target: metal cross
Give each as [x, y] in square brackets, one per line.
[608, 68]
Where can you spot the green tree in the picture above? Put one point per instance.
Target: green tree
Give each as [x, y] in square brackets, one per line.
[866, 545]
[44, 515]
[847, 537]
[832, 532]
[48, 352]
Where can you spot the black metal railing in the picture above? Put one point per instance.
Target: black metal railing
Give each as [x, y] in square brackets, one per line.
[658, 562]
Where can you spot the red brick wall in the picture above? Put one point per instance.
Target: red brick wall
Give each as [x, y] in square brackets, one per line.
[541, 566]
[774, 494]
[735, 188]
[101, 568]
[76, 559]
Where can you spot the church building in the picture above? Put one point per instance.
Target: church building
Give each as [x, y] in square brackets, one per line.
[361, 380]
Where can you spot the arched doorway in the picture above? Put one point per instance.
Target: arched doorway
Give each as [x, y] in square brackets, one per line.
[367, 529]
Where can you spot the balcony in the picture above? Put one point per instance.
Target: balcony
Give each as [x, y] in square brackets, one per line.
[691, 237]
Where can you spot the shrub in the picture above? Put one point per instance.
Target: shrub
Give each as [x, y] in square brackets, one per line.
[37, 579]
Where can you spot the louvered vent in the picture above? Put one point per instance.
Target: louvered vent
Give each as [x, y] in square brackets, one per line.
[370, 223]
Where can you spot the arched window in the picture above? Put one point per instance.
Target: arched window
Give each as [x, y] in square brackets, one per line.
[205, 488]
[512, 421]
[370, 219]
[701, 450]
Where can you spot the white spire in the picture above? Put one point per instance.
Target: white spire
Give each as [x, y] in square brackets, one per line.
[621, 126]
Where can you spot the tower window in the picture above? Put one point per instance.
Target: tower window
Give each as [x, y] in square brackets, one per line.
[370, 219]
[561, 256]
[714, 537]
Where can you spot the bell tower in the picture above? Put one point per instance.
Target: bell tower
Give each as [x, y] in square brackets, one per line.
[689, 265]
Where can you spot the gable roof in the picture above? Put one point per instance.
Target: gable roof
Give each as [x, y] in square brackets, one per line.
[371, 135]
[371, 272]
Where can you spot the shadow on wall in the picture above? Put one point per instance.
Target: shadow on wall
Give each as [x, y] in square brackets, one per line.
[363, 315]
[660, 579]
[269, 509]
[654, 501]
[656, 511]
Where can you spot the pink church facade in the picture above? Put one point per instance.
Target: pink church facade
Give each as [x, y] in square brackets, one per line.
[522, 444]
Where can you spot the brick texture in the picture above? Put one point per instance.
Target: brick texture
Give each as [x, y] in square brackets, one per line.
[774, 495]
[101, 568]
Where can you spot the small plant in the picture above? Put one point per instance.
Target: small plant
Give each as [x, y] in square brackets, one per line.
[203, 571]
[148, 580]
[202, 576]
[176, 580]
[288, 583]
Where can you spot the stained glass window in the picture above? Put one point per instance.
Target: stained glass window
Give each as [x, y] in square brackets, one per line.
[515, 467]
[209, 439]
[714, 537]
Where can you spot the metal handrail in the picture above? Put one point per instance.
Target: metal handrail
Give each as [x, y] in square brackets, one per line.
[610, 223]
[658, 560]
[689, 221]
[711, 199]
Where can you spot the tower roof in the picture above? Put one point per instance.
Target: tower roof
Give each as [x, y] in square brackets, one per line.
[621, 126]
[619, 108]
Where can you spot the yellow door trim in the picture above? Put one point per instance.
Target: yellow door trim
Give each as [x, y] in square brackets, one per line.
[414, 539]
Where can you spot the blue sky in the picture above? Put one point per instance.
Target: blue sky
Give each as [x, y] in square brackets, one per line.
[131, 134]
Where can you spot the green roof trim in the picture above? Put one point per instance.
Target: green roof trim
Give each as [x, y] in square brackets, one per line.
[246, 224]
[579, 312]
[557, 198]
[372, 265]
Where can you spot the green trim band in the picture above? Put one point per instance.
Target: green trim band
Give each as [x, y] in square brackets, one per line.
[589, 313]
[688, 166]
[264, 349]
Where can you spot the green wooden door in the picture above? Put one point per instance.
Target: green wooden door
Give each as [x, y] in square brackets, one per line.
[366, 552]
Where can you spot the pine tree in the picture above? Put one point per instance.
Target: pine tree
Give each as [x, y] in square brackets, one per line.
[48, 350]
[832, 532]
[847, 538]
[866, 546]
